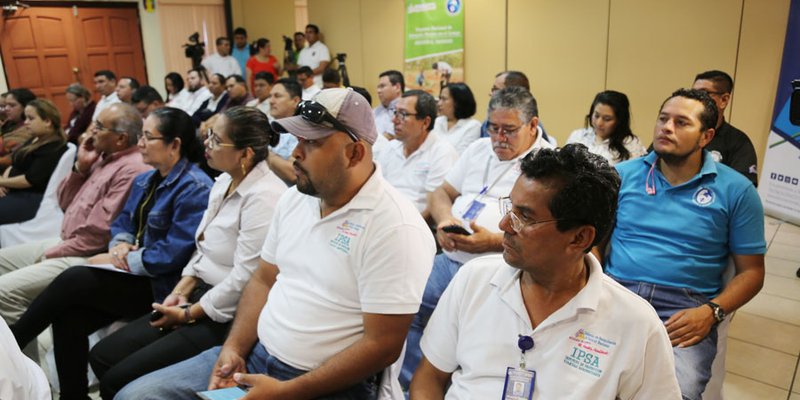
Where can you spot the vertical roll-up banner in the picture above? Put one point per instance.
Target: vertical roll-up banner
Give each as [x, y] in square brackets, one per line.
[779, 185]
[434, 48]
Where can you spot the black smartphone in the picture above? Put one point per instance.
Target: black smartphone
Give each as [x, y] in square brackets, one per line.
[156, 315]
[456, 229]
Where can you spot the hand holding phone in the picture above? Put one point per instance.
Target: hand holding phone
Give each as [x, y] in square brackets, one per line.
[457, 229]
[156, 315]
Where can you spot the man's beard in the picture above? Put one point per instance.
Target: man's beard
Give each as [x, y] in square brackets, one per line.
[304, 184]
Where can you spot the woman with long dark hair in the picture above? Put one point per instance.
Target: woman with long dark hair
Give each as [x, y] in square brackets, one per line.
[608, 129]
[455, 124]
[173, 84]
[22, 185]
[152, 239]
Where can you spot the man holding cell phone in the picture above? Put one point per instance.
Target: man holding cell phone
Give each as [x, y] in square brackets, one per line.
[328, 309]
[468, 200]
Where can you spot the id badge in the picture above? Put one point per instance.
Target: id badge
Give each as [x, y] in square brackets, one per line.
[519, 384]
[473, 211]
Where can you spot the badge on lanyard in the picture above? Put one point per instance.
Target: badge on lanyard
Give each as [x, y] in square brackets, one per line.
[475, 207]
[519, 381]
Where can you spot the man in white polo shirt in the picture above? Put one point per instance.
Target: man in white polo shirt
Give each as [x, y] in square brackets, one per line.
[417, 162]
[341, 275]
[105, 82]
[316, 55]
[468, 200]
[542, 320]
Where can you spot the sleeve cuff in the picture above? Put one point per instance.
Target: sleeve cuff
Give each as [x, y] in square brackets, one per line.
[135, 263]
[120, 238]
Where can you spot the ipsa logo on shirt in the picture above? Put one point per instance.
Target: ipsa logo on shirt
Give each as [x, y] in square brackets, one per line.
[453, 7]
[704, 197]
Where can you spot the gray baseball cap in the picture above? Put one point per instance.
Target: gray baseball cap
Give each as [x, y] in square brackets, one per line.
[348, 107]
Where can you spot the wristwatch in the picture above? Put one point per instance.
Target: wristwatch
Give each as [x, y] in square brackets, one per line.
[718, 312]
[187, 314]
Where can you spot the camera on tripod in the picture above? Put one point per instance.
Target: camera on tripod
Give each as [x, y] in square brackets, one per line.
[195, 49]
[341, 57]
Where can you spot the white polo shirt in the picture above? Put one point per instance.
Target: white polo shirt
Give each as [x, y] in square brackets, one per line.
[230, 236]
[262, 106]
[310, 92]
[373, 255]
[191, 101]
[420, 173]
[312, 56]
[477, 168]
[225, 66]
[104, 102]
[463, 133]
[605, 343]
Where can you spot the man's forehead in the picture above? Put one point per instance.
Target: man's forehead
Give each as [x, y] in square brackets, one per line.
[505, 115]
[679, 106]
[407, 102]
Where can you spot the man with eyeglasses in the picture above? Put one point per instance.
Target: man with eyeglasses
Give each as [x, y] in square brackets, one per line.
[391, 85]
[417, 162]
[542, 320]
[729, 146]
[340, 277]
[465, 207]
[506, 79]
[91, 197]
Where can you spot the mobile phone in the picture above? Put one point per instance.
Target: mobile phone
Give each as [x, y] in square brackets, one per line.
[456, 229]
[156, 315]
[231, 393]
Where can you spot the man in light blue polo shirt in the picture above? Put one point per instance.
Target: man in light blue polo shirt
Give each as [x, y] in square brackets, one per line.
[681, 217]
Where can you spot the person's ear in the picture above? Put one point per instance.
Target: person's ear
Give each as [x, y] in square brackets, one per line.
[357, 153]
[582, 238]
[706, 137]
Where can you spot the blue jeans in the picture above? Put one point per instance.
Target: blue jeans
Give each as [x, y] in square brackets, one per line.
[692, 364]
[444, 269]
[184, 379]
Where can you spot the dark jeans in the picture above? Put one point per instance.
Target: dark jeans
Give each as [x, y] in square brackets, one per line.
[19, 206]
[183, 380]
[78, 302]
[138, 348]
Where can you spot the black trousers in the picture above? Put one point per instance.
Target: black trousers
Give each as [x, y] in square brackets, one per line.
[78, 302]
[19, 206]
[138, 349]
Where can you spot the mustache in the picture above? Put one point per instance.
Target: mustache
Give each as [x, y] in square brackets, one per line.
[297, 165]
[501, 145]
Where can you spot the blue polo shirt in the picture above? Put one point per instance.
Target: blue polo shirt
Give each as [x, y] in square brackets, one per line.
[682, 236]
[241, 57]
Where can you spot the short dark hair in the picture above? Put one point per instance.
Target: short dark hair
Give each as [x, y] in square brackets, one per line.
[264, 76]
[722, 81]
[202, 71]
[708, 117]
[108, 74]
[176, 79]
[291, 86]
[240, 31]
[146, 94]
[175, 123]
[313, 27]
[331, 75]
[463, 100]
[222, 39]
[515, 98]
[515, 78]
[305, 70]
[238, 79]
[218, 76]
[303, 34]
[134, 83]
[364, 92]
[426, 105]
[395, 77]
[587, 187]
[261, 43]
[249, 127]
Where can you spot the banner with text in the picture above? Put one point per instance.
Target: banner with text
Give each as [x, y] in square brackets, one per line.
[434, 48]
[779, 185]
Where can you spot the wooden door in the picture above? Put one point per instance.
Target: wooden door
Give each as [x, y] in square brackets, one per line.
[39, 52]
[47, 48]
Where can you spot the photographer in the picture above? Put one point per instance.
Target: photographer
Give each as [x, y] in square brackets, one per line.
[316, 55]
[290, 60]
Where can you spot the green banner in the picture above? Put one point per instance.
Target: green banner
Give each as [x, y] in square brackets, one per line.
[434, 48]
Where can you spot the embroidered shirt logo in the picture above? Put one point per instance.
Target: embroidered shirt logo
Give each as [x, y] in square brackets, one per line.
[716, 155]
[704, 197]
[589, 352]
[346, 232]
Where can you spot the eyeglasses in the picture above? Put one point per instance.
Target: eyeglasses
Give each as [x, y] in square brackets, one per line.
[214, 141]
[402, 115]
[711, 92]
[517, 224]
[147, 136]
[507, 132]
[316, 113]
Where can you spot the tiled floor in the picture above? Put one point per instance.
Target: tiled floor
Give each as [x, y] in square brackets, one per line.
[764, 337]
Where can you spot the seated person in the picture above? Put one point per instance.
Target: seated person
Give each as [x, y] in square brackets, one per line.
[681, 217]
[22, 185]
[173, 84]
[305, 77]
[198, 313]
[238, 95]
[542, 320]
[13, 131]
[417, 162]
[468, 200]
[146, 99]
[455, 123]
[283, 101]
[214, 104]
[608, 132]
[82, 110]
[20, 377]
[302, 331]
[262, 85]
[152, 241]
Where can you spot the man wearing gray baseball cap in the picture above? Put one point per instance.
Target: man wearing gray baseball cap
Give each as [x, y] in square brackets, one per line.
[353, 256]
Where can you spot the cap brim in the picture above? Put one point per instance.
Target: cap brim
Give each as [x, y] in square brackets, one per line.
[301, 128]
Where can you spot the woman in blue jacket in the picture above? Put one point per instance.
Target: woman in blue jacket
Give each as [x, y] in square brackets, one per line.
[153, 238]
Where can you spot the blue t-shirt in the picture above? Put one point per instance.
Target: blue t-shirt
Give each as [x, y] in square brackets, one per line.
[241, 57]
[682, 236]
